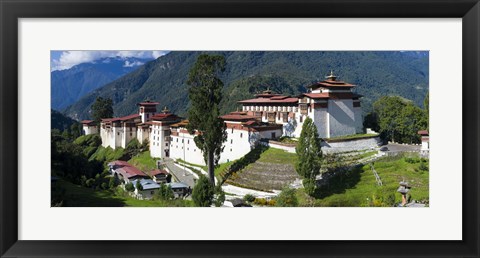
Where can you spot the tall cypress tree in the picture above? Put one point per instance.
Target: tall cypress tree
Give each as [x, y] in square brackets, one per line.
[309, 155]
[205, 94]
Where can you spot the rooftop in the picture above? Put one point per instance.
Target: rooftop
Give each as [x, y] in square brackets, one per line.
[331, 81]
[148, 103]
[237, 116]
[147, 184]
[274, 99]
[121, 119]
[126, 169]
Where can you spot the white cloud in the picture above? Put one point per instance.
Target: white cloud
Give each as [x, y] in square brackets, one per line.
[68, 59]
[132, 64]
[157, 54]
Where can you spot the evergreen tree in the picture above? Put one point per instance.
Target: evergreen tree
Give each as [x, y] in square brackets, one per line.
[138, 185]
[203, 192]
[205, 95]
[102, 108]
[309, 155]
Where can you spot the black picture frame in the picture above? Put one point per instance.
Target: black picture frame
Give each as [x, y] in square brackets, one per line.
[11, 11]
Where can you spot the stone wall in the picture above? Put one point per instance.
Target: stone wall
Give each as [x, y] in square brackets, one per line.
[350, 145]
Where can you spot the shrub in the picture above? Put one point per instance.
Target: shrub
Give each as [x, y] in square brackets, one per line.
[423, 166]
[112, 183]
[203, 192]
[249, 198]
[287, 198]
[129, 187]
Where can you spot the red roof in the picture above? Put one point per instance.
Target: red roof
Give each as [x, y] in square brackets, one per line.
[250, 122]
[123, 118]
[126, 170]
[423, 132]
[163, 116]
[331, 83]
[317, 95]
[334, 95]
[148, 103]
[87, 122]
[270, 100]
[237, 117]
[158, 171]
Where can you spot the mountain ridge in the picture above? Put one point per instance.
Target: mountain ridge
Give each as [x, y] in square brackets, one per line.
[376, 73]
[69, 85]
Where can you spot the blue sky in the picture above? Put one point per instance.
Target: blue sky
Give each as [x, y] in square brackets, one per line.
[62, 59]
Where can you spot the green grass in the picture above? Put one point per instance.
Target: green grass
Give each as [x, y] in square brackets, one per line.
[274, 169]
[190, 164]
[358, 187]
[366, 154]
[351, 137]
[144, 162]
[78, 196]
[107, 154]
[272, 155]
[220, 168]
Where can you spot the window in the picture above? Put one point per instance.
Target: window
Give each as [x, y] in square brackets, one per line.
[130, 134]
[241, 134]
[177, 139]
[301, 119]
[151, 192]
[285, 117]
[188, 142]
[230, 149]
[231, 141]
[232, 129]
[118, 133]
[166, 144]
[182, 140]
[273, 136]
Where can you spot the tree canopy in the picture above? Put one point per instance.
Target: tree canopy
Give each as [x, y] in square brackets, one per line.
[205, 95]
[102, 108]
[398, 119]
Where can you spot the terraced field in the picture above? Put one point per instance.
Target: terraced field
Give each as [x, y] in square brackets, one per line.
[272, 171]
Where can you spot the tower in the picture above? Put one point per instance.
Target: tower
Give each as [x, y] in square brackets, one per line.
[147, 109]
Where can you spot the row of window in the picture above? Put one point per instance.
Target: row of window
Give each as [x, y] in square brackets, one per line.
[270, 108]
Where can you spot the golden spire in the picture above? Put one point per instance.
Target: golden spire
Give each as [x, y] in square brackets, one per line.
[165, 110]
[331, 77]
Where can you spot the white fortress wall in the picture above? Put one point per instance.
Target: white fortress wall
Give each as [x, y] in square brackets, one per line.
[358, 119]
[341, 117]
[236, 146]
[320, 116]
[186, 150]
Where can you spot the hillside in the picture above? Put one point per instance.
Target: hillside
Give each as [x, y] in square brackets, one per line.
[69, 85]
[248, 72]
[60, 121]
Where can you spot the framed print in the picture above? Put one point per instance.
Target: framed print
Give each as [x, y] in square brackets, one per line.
[147, 129]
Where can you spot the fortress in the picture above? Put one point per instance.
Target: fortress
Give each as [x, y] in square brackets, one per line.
[331, 104]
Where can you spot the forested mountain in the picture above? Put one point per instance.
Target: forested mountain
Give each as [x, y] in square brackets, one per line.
[69, 85]
[60, 121]
[248, 72]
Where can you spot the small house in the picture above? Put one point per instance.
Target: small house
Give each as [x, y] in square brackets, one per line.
[179, 189]
[148, 190]
[160, 176]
